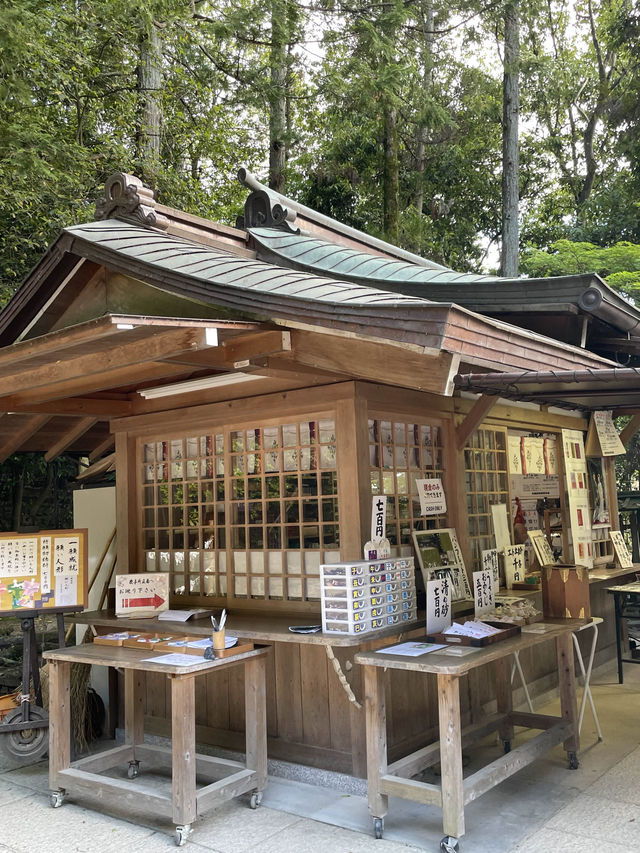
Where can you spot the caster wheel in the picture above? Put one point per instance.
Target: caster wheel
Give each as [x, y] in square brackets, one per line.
[133, 770]
[56, 798]
[573, 761]
[506, 746]
[256, 799]
[378, 826]
[182, 833]
[449, 844]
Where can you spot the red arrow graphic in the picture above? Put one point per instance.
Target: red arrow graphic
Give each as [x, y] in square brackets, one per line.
[156, 601]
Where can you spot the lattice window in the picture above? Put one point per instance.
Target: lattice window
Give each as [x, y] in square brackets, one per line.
[487, 483]
[243, 513]
[400, 453]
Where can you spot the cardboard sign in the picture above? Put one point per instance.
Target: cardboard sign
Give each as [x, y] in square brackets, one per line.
[483, 593]
[501, 528]
[43, 571]
[438, 612]
[622, 552]
[432, 497]
[541, 547]
[142, 595]
[490, 563]
[514, 566]
[610, 444]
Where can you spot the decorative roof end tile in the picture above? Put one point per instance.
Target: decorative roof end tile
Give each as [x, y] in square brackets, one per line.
[127, 198]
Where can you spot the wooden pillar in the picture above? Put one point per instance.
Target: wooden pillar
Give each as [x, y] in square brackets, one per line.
[127, 501]
[255, 693]
[451, 755]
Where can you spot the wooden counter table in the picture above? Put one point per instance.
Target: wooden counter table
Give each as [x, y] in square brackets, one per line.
[184, 800]
[454, 792]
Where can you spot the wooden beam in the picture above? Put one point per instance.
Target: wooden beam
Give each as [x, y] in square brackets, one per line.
[99, 407]
[283, 368]
[82, 426]
[256, 345]
[154, 348]
[22, 433]
[101, 448]
[474, 418]
[124, 376]
[370, 360]
[630, 430]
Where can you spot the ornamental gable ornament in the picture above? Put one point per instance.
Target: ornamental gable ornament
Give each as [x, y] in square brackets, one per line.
[126, 197]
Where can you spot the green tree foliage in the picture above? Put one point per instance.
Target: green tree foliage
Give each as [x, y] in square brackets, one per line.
[619, 265]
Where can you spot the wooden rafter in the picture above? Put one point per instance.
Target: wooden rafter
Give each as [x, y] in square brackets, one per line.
[98, 467]
[22, 432]
[474, 418]
[78, 429]
[630, 430]
[101, 448]
[282, 368]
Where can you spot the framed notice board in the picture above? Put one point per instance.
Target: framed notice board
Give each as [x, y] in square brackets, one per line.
[43, 571]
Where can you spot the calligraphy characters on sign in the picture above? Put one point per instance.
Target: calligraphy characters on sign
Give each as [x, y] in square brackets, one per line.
[379, 519]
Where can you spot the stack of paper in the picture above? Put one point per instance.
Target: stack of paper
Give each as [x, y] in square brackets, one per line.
[477, 630]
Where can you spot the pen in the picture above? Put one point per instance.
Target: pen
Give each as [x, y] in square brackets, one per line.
[214, 623]
[223, 619]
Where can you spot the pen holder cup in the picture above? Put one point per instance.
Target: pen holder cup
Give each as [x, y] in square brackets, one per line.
[218, 642]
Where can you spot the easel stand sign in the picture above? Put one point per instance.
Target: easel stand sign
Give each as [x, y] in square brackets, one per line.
[42, 572]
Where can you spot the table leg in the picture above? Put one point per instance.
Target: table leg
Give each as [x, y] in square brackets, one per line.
[255, 691]
[568, 701]
[451, 755]
[183, 750]
[133, 707]
[59, 720]
[504, 698]
[617, 601]
[376, 728]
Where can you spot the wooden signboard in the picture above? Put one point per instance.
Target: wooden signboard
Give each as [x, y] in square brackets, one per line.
[44, 571]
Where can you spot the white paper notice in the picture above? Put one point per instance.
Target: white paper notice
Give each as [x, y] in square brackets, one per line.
[432, 497]
[66, 593]
[438, 614]
[411, 649]
[45, 564]
[622, 552]
[176, 659]
[18, 558]
[66, 556]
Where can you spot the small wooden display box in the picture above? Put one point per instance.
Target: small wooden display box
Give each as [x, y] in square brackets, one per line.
[164, 643]
[565, 591]
[459, 640]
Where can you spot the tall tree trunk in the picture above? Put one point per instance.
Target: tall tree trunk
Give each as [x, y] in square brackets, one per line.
[278, 96]
[390, 177]
[427, 81]
[149, 117]
[510, 152]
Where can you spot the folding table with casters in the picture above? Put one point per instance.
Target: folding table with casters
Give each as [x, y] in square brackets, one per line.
[183, 800]
[454, 791]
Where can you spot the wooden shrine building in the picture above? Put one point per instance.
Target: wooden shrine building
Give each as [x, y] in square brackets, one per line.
[254, 386]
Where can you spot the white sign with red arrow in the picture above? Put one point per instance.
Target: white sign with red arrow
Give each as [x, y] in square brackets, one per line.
[141, 595]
